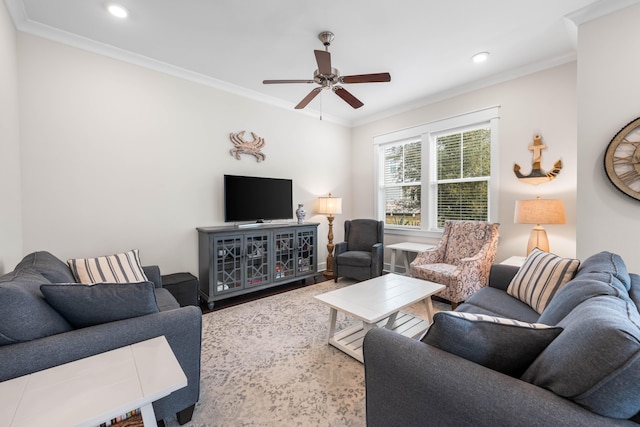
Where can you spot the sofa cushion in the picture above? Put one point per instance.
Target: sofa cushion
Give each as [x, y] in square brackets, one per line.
[52, 268]
[595, 361]
[25, 315]
[495, 302]
[540, 277]
[355, 259]
[166, 301]
[118, 268]
[505, 345]
[88, 305]
[578, 290]
[606, 262]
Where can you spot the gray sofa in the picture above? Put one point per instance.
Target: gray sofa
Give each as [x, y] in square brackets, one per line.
[588, 374]
[35, 336]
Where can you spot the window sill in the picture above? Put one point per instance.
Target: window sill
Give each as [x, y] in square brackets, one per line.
[437, 234]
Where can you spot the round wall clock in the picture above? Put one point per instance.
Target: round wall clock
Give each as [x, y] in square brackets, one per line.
[622, 160]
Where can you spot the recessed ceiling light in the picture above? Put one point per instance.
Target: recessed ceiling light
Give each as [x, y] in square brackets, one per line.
[480, 57]
[118, 10]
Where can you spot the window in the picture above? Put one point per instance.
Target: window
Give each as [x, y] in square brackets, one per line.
[402, 183]
[437, 172]
[463, 169]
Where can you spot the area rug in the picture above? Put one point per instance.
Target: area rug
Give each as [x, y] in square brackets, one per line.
[266, 363]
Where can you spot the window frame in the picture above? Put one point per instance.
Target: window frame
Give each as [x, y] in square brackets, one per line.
[428, 133]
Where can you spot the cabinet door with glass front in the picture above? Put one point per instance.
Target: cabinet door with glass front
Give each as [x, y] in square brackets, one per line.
[228, 262]
[258, 266]
[306, 250]
[284, 254]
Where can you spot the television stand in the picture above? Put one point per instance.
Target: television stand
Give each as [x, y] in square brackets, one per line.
[235, 260]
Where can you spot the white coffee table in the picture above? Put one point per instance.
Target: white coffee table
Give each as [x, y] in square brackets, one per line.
[377, 302]
[93, 390]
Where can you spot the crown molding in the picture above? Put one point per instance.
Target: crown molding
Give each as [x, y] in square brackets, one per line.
[598, 10]
[470, 87]
[23, 24]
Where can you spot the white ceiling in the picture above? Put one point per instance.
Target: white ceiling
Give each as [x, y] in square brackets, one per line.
[426, 45]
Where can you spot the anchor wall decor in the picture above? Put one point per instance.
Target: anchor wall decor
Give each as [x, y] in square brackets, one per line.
[247, 147]
[537, 175]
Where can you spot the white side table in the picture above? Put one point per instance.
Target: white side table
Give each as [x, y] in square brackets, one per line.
[93, 390]
[403, 248]
[516, 261]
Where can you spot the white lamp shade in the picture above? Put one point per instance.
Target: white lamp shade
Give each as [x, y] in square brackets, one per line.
[539, 211]
[329, 205]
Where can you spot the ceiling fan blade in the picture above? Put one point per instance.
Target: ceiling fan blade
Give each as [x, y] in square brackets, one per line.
[346, 95]
[323, 58]
[367, 78]
[307, 99]
[271, 82]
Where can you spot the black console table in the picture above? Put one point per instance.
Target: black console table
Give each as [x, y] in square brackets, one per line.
[236, 260]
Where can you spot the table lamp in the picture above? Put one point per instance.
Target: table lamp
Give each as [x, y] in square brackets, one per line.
[329, 206]
[539, 211]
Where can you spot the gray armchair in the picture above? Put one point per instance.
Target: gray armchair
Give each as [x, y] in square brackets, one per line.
[361, 255]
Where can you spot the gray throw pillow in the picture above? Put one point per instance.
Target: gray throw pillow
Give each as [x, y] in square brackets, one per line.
[25, 315]
[88, 305]
[47, 264]
[504, 345]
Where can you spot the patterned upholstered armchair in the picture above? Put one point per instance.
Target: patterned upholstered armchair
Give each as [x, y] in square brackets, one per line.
[462, 259]
[361, 255]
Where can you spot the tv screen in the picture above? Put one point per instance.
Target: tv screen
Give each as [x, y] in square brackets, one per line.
[250, 198]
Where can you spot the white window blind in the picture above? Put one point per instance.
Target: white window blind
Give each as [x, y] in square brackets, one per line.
[436, 172]
[463, 169]
[402, 172]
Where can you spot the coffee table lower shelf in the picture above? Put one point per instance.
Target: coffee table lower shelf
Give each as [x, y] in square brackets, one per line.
[349, 340]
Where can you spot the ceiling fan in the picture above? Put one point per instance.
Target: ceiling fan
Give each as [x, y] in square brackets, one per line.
[329, 78]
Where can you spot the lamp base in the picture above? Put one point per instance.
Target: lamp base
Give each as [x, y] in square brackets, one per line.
[538, 239]
[328, 273]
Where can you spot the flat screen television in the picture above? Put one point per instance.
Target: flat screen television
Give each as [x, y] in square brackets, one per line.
[250, 198]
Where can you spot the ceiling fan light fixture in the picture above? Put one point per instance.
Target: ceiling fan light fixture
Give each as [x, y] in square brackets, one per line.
[117, 10]
[480, 57]
[328, 77]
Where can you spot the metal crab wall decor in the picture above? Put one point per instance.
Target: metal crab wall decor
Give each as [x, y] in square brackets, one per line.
[247, 147]
[537, 175]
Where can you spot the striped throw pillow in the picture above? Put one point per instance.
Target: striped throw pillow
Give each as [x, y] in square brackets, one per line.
[501, 320]
[540, 277]
[118, 268]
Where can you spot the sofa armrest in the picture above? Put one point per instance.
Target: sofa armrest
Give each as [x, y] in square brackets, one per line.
[500, 275]
[409, 383]
[153, 274]
[340, 248]
[182, 327]
[429, 256]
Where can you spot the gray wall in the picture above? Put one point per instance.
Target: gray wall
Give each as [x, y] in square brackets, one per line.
[10, 207]
[608, 99]
[116, 156]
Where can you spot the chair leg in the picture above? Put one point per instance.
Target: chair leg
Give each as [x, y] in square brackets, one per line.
[185, 415]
